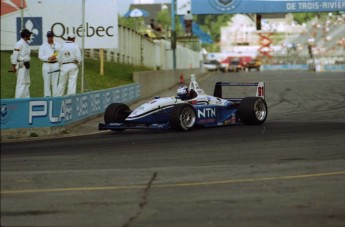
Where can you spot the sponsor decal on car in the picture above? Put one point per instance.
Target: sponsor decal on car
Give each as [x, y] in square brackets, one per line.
[207, 113]
[208, 120]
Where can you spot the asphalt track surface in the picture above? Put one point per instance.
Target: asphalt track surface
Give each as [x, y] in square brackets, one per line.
[289, 171]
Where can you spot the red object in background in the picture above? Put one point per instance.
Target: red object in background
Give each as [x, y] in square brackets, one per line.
[11, 6]
[181, 79]
[265, 42]
[226, 60]
[243, 60]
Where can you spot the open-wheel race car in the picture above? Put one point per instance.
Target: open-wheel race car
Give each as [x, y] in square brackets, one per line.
[192, 107]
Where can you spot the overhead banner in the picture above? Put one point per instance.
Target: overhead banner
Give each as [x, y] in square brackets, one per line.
[182, 6]
[265, 6]
[61, 17]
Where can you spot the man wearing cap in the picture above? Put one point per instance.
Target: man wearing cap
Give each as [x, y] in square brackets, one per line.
[50, 69]
[20, 60]
[69, 58]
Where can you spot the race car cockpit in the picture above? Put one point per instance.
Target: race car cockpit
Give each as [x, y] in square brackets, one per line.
[185, 94]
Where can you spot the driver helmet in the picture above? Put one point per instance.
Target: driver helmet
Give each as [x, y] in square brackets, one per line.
[182, 92]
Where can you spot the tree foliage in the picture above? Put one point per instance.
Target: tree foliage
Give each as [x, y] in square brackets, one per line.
[131, 22]
[301, 18]
[212, 25]
[164, 18]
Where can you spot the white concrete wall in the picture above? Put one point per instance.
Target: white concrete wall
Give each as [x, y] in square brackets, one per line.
[138, 50]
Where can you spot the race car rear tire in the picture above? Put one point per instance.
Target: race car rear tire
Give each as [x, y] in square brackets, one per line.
[253, 110]
[116, 113]
[183, 117]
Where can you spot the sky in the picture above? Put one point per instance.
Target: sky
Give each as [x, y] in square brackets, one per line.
[124, 4]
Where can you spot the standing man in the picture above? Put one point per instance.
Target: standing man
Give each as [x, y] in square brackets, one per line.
[188, 22]
[69, 58]
[20, 60]
[50, 69]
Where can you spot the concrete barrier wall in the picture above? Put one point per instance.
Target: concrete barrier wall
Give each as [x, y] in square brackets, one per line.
[153, 82]
[305, 67]
[48, 116]
[284, 67]
[333, 68]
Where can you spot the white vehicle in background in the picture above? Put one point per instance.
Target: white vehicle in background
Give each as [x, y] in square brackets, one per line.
[212, 65]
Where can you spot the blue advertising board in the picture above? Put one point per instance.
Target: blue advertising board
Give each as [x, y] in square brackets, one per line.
[59, 111]
[265, 6]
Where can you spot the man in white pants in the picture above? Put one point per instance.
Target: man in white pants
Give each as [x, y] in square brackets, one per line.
[69, 58]
[50, 69]
[20, 60]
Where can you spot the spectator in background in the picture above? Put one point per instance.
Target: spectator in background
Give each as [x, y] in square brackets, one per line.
[20, 60]
[341, 42]
[50, 69]
[69, 58]
[188, 22]
[156, 27]
[311, 43]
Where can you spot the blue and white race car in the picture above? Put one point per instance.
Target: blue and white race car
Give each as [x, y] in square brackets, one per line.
[192, 107]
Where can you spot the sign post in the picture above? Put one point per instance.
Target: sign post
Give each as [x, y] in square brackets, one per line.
[173, 33]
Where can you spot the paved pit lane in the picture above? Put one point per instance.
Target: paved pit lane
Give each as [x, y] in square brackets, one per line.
[289, 171]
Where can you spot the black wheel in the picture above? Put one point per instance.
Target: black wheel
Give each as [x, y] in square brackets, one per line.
[182, 117]
[253, 110]
[116, 113]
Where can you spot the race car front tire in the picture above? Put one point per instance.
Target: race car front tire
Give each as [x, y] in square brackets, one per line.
[183, 117]
[253, 110]
[116, 113]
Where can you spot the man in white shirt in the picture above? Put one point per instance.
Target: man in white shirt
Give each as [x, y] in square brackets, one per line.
[20, 60]
[69, 58]
[50, 69]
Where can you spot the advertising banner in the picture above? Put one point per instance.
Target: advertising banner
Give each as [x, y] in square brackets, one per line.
[265, 6]
[59, 111]
[61, 17]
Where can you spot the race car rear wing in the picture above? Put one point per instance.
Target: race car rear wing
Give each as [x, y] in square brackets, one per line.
[260, 89]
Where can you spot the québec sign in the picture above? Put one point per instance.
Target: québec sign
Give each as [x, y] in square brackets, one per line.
[100, 28]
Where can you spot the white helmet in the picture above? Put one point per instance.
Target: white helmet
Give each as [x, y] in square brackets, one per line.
[182, 92]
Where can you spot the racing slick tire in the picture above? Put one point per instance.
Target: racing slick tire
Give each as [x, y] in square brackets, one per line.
[183, 117]
[253, 110]
[116, 112]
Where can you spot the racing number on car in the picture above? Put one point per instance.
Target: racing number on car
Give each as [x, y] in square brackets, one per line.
[261, 91]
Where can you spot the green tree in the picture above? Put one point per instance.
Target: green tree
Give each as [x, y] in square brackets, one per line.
[212, 24]
[164, 18]
[131, 22]
[301, 18]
